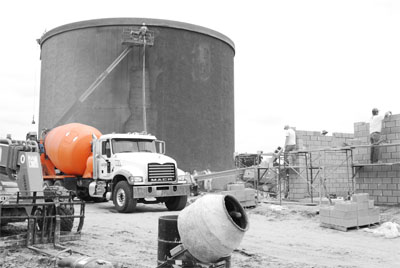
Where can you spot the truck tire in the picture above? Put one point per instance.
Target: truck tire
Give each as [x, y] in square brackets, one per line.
[47, 183]
[58, 183]
[176, 202]
[66, 224]
[123, 198]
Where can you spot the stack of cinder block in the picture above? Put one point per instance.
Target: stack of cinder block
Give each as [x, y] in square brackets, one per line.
[358, 212]
[245, 196]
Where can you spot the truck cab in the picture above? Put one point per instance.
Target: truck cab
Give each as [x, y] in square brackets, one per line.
[131, 168]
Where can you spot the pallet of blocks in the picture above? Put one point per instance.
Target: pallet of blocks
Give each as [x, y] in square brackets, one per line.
[344, 215]
[245, 196]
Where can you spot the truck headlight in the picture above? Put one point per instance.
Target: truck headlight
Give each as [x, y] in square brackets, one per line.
[133, 179]
[182, 179]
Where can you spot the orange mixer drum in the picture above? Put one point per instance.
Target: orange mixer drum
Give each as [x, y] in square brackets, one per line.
[69, 146]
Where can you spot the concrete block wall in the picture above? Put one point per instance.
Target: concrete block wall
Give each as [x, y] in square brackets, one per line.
[381, 182]
[335, 170]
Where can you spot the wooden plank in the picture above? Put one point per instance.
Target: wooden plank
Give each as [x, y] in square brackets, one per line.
[332, 226]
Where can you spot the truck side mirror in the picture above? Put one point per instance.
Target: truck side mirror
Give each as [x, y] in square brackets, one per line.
[160, 147]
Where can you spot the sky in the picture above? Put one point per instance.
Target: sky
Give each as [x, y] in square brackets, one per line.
[311, 64]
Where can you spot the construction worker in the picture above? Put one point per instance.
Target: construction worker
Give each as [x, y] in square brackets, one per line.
[290, 143]
[143, 30]
[375, 128]
[141, 34]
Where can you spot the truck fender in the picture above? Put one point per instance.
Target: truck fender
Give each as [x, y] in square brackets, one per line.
[130, 172]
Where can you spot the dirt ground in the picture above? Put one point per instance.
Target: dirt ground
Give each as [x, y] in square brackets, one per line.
[279, 236]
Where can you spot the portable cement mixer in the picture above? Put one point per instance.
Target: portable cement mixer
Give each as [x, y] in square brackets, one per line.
[203, 235]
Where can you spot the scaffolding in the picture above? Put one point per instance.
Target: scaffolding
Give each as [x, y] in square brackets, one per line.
[312, 167]
[315, 168]
[319, 170]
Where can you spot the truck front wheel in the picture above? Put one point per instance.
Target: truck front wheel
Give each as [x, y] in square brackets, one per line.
[123, 198]
[176, 202]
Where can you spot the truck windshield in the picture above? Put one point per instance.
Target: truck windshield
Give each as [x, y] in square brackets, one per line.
[130, 145]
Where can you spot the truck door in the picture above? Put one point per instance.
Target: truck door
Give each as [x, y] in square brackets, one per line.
[104, 164]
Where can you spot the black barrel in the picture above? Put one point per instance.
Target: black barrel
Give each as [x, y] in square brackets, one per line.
[168, 236]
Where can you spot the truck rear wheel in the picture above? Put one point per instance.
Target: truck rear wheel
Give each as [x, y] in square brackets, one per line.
[67, 223]
[176, 202]
[47, 183]
[58, 183]
[123, 197]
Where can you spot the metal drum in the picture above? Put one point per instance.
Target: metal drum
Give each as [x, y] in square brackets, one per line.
[168, 237]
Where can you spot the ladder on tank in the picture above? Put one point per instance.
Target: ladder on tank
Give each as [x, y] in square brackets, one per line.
[131, 36]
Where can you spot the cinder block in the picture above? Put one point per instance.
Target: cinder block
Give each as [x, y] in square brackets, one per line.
[347, 222]
[372, 186]
[325, 211]
[248, 203]
[387, 193]
[377, 192]
[382, 186]
[343, 214]
[374, 219]
[235, 186]
[373, 211]
[334, 221]
[240, 195]
[361, 197]
[363, 205]
[392, 186]
[346, 206]
[382, 199]
[364, 220]
[249, 194]
[371, 204]
[363, 213]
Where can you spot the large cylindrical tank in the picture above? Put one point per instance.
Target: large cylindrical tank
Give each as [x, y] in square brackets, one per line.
[189, 85]
[69, 146]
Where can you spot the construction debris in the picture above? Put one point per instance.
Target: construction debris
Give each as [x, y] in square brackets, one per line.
[387, 229]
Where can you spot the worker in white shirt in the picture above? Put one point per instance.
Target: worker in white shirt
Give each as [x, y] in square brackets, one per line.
[290, 143]
[375, 128]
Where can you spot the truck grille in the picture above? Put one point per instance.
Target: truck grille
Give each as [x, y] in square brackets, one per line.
[161, 172]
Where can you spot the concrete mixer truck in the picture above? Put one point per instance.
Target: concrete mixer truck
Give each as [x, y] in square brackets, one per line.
[127, 168]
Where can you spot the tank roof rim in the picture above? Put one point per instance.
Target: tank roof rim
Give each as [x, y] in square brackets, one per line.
[133, 21]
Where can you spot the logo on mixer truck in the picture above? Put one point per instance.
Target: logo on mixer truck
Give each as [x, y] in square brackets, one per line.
[127, 168]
